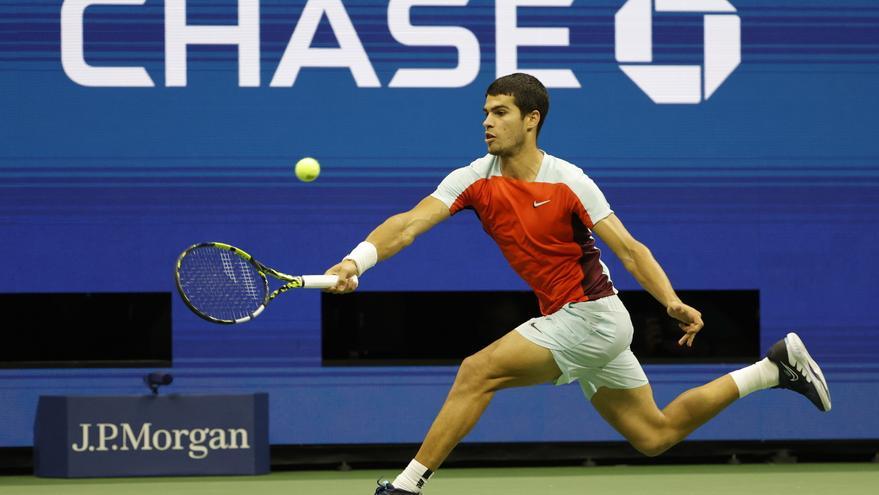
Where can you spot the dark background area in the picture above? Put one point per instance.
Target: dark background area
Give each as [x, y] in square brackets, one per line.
[411, 328]
[69, 330]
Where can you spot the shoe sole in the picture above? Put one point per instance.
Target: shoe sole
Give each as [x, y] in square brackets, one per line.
[797, 350]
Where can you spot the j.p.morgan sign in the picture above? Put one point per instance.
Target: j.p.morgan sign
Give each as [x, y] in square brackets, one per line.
[198, 443]
[148, 435]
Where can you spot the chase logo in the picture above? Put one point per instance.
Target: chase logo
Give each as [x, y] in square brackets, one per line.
[678, 83]
[633, 48]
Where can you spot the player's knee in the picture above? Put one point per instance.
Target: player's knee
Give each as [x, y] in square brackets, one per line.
[652, 447]
[471, 373]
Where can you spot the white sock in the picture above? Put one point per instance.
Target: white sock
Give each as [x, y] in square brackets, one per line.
[760, 375]
[413, 478]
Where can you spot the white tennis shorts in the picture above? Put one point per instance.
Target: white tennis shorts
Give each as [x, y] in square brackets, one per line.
[590, 343]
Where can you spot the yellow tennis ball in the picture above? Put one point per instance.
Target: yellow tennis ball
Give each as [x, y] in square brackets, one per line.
[307, 169]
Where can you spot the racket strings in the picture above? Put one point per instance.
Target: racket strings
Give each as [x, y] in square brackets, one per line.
[249, 283]
[228, 269]
[221, 285]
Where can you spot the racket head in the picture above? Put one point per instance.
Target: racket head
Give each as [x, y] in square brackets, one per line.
[221, 283]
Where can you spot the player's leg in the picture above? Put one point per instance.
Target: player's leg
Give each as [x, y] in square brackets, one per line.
[633, 412]
[619, 390]
[652, 431]
[511, 361]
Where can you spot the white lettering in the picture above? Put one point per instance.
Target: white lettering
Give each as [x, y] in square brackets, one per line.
[350, 52]
[179, 35]
[106, 432]
[73, 56]
[509, 37]
[147, 438]
[85, 438]
[234, 435]
[162, 439]
[400, 25]
[197, 450]
[218, 439]
[144, 436]
[178, 435]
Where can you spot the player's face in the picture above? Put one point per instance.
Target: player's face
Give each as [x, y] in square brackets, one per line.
[505, 129]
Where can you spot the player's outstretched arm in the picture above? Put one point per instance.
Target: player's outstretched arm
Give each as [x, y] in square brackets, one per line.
[639, 261]
[388, 239]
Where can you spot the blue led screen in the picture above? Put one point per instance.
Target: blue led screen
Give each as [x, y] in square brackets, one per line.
[736, 139]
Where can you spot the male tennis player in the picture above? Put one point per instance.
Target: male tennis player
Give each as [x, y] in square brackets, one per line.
[542, 212]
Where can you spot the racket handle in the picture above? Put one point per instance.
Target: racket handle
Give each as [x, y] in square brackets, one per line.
[322, 281]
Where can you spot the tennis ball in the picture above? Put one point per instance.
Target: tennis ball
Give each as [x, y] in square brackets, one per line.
[307, 169]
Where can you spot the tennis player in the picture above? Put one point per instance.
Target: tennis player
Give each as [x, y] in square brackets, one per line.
[543, 211]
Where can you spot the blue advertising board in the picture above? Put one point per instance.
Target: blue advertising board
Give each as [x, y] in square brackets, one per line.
[104, 436]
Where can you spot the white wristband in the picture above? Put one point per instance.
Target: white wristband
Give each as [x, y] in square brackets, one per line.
[365, 256]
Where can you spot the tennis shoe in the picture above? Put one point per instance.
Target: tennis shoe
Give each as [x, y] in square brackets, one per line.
[386, 488]
[797, 371]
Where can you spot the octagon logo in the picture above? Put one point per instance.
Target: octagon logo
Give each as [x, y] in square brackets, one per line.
[678, 83]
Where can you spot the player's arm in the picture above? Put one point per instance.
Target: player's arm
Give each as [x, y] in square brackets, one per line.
[639, 261]
[388, 239]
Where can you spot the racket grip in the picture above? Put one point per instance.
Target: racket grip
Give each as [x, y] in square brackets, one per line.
[322, 281]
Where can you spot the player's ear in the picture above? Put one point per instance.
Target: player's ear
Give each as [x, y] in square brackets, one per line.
[532, 120]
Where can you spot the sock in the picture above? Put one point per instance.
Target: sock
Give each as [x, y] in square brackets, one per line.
[760, 375]
[413, 478]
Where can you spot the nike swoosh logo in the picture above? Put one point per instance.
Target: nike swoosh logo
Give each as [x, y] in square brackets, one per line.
[536, 204]
[790, 373]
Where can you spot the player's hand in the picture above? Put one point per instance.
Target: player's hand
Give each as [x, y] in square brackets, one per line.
[347, 273]
[689, 320]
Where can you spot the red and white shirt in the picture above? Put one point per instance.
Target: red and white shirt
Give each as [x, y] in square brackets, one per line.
[542, 227]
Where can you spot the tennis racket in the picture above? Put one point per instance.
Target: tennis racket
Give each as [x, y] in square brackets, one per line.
[224, 284]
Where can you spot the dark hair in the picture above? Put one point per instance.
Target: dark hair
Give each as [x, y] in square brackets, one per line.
[528, 93]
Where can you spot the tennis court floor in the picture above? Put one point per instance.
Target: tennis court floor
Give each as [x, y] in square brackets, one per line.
[745, 479]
